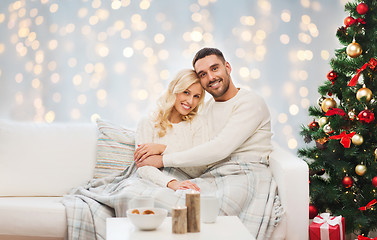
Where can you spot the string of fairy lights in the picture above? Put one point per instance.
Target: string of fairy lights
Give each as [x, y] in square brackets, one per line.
[77, 60]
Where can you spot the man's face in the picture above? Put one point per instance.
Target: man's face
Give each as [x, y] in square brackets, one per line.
[214, 75]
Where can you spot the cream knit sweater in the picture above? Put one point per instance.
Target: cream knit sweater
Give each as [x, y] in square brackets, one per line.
[239, 126]
[182, 136]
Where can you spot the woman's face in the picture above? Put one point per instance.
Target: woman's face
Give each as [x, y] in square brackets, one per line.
[187, 100]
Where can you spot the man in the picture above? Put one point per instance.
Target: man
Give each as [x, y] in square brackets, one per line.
[237, 154]
[238, 120]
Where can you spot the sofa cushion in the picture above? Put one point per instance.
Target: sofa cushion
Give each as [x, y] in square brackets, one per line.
[115, 148]
[41, 159]
[32, 216]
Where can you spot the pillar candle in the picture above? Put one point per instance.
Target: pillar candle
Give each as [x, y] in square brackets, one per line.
[193, 211]
[179, 220]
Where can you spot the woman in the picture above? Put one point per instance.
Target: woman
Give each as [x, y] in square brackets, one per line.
[176, 124]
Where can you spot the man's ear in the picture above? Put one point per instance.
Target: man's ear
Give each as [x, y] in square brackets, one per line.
[228, 67]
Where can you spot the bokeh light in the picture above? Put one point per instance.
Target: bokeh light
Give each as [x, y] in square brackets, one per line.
[81, 60]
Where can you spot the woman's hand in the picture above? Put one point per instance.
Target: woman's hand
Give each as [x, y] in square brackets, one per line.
[175, 185]
[145, 150]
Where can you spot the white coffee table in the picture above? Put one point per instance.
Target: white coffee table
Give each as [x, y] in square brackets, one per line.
[225, 228]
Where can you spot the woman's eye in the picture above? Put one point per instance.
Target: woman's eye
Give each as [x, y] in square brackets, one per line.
[185, 92]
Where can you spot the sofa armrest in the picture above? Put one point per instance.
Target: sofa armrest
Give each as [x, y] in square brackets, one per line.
[45, 159]
[292, 177]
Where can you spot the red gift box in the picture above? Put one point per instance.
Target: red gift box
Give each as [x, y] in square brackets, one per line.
[325, 227]
[360, 237]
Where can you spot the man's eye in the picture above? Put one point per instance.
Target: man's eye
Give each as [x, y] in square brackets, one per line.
[202, 75]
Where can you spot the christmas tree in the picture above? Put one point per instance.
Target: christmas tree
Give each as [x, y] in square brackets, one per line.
[343, 150]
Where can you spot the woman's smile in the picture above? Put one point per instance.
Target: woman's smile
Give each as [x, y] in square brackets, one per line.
[186, 106]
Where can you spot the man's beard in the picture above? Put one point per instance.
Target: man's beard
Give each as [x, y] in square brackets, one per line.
[222, 91]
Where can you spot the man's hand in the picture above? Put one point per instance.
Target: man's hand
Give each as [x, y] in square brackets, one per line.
[175, 185]
[154, 161]
[145, 150]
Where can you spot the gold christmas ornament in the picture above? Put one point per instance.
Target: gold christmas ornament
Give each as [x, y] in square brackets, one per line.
[322, 121]
[360, 169]
[364, 92]
[327, 128]
[357, 139]
[375, 154]
[352, 115]
[328, 103]
[354, 49]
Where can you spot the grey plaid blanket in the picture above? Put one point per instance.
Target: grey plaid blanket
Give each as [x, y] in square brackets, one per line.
[245, 189]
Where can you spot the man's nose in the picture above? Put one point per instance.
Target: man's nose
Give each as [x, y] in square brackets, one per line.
[210, 76]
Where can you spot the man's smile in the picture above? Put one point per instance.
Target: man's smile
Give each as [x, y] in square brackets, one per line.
[214, 84]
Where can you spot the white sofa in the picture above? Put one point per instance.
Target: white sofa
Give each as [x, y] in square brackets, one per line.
[40, 162]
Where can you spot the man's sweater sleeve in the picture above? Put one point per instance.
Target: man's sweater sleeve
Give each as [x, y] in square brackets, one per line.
[246, 118]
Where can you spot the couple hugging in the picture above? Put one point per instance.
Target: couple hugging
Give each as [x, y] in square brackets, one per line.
[235, 124]
[222, 150]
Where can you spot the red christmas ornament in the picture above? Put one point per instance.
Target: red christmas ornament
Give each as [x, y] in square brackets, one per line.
[313, 211]
[366, 116]
[374, 181]
[348, 20]
[347, 182]
[362, 8]
[332, 76]
[314, 126]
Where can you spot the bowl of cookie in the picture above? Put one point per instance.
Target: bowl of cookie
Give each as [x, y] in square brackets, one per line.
[147, 218]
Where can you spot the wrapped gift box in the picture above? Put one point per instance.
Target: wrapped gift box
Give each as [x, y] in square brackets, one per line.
[326, 227]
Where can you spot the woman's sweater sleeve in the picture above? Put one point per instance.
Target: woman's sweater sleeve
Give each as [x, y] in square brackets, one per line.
[145, 134]
[154, 175]
[245, 119]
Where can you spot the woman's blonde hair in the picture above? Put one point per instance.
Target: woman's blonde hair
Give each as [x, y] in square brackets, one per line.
[165, 104]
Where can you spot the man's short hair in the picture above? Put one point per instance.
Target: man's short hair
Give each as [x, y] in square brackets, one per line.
[204, 52]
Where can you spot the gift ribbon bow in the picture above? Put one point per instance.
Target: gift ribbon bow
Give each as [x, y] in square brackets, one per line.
[326, 221]
[369, 205]
[357, 20]
[345, 138]
[365, 238]
[371, 64]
